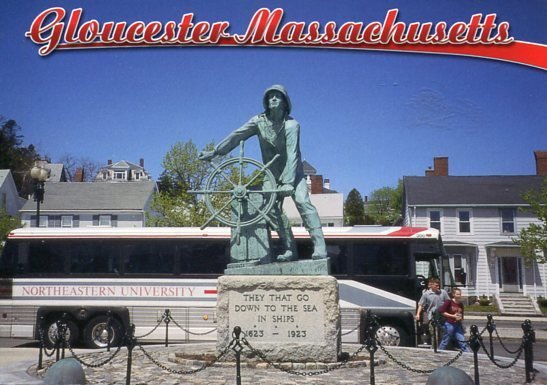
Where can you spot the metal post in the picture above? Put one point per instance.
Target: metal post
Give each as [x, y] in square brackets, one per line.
[237, 348]
[529, 338]
[58, 340]
[41, 335]
[130, 343]
[38, 198]
[491, 326]
[63, 334]
[370, 344]
[167, 319]
[37, 213]
[40, 355]
[371, 348]
[475, 346]
[108, 329]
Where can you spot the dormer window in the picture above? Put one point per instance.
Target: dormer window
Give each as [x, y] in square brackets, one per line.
[119, 175]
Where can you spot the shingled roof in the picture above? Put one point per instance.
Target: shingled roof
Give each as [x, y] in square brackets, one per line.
[469, 190]
[94, 196]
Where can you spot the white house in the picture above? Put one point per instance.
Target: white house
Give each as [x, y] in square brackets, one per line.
[84, 204]
[123, 171]
[479, 216]
[10, 201]
[329, 203]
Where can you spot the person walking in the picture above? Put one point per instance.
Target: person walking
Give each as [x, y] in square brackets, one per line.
[430, 301]
[452, 311]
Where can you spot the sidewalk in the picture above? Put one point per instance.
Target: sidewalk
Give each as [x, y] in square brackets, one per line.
[509, 332]
[15, 362]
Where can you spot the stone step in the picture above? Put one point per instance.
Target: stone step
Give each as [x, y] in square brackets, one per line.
[519, 309]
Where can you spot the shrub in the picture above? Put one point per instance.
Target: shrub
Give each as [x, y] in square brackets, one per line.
[484, 300]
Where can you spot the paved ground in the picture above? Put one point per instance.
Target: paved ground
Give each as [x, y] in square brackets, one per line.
[19, 367]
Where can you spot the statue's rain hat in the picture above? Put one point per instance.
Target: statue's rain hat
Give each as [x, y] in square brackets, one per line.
[280, 88]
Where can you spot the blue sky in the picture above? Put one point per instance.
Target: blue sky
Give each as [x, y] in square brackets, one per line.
[367, 118]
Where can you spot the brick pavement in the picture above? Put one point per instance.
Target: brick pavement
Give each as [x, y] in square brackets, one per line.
[254, 372]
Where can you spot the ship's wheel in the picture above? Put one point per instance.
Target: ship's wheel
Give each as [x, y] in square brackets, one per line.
[240, 192]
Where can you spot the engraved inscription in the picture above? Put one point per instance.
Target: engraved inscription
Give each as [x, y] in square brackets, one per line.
[286, 315]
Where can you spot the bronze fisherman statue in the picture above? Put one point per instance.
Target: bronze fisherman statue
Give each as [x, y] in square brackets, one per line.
[279, 134]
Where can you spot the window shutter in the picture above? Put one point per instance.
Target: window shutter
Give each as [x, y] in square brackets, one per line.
[95, 220]
[76, 221]
[114, 219]
[50, 220]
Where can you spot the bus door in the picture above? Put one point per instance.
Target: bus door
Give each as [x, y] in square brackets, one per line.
[383, 264]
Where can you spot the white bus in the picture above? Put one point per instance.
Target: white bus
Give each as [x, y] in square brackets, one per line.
[137, 273]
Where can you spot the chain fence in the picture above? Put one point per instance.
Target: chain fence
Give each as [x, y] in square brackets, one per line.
[239, 344]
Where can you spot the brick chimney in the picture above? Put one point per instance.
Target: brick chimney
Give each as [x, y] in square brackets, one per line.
[109, 162]
[316, 184]
[541, 162]
[142, 162]
[79, 175]
[440, 167]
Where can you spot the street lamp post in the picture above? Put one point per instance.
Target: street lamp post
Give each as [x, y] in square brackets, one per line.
[39, 175]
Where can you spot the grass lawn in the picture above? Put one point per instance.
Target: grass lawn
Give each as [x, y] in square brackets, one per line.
[492, 309]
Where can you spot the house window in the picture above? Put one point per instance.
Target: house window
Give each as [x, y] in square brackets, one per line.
[43, 220]
[435, 219]
[455, 266]
[507, 221]
[66, 221]
[464, 221]
[105, 220]
[137, 175]
[119, 175]
[105, 175]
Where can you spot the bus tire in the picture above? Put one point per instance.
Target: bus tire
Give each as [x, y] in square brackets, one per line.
[391, 335]
[50, 333]
[96, 335]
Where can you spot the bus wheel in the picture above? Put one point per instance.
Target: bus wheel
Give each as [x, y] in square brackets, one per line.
[51, 333]
[96, 334]
[390, 335]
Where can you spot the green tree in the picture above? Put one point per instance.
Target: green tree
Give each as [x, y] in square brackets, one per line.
[183, 171]
[385, 205]
[354, 209]
[533, 239]
[14, 156]
[7, 223]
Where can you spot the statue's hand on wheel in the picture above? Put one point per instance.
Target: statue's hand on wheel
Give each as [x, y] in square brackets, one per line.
[286, 190]
[206, 155]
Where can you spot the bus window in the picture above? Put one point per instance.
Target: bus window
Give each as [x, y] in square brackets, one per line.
[8, 262]
[380, 259]
[42, 257]
[338, 258]
[203, 257]
[94, 257]
[149, 257]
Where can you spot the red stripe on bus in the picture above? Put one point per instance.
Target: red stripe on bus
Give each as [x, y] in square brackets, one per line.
[407, 231]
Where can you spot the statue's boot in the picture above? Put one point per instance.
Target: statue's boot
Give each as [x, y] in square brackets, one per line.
[288, 242]
[318, 240]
